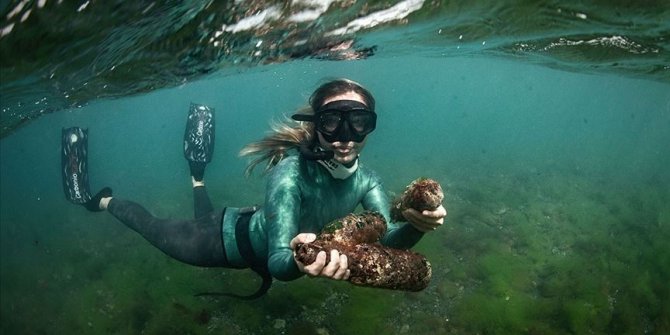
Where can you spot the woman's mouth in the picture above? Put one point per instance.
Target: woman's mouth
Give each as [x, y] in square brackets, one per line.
[343, 151]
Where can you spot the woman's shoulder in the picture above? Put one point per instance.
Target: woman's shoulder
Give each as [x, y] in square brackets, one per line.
[290, 161]
[287, 167]
[368, 174]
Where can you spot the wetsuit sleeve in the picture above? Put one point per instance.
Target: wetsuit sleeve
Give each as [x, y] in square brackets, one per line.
[400, 236]
[282, 211]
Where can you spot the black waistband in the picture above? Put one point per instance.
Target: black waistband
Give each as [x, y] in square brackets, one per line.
[243, 238]
[223, 242]
[247, 251]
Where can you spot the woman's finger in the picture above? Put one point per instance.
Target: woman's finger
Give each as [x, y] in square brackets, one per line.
[343, 270]
[317, 267]
[331, 268]
[302, 238]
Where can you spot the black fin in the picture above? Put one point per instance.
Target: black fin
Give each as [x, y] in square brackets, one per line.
[74, 162]
[199, 134]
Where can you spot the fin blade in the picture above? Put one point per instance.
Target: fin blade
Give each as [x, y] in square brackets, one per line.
[74, 163]
[199, 134]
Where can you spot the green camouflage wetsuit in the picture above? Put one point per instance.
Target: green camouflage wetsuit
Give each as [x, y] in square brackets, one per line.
[302, 197]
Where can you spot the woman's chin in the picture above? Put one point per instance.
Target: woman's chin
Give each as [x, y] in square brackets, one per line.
[345, 159]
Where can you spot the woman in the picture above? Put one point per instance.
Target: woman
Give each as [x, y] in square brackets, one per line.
[314, 178]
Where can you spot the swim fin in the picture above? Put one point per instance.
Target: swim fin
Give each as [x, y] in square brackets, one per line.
[74, 162]
[199, 134]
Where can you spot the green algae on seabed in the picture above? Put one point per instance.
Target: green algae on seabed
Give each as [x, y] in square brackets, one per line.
[574, 264]
[366, 308]
[545, 258]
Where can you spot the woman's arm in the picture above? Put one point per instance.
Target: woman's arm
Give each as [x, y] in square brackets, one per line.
[401, 236]
[282, 217]
[282, 214]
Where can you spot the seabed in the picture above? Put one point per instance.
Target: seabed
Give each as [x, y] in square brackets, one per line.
[522, 253]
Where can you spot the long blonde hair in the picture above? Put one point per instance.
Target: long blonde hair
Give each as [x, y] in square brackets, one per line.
[287, 134]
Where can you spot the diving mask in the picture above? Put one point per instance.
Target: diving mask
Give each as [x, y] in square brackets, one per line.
[342, 120]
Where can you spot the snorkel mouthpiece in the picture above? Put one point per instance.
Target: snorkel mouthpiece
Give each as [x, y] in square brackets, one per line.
[318, 155]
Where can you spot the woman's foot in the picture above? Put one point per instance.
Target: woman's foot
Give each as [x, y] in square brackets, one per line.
[197, 183]
[99, 202]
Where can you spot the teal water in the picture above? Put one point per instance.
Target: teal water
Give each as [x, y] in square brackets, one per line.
[556, 184]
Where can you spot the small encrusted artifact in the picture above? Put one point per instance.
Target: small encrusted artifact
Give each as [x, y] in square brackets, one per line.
[422, 194]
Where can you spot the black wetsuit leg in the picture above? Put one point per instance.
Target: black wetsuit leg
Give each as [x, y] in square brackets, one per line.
[197, 242]
[201, 204]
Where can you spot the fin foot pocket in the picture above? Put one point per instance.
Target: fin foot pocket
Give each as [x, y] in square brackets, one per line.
[93, 205]
[197, 170]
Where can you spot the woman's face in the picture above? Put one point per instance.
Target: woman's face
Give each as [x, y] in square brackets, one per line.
[345, 152]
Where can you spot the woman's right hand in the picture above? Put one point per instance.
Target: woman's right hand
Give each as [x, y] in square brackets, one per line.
[336, 269]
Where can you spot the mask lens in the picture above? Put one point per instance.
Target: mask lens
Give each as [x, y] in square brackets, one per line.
[362, 122]
[329, 122]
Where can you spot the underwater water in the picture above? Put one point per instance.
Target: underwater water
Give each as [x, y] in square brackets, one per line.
[63, 54]
[556, 181]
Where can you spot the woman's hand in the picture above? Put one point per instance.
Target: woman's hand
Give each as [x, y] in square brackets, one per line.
[427, 220]
[336, 269]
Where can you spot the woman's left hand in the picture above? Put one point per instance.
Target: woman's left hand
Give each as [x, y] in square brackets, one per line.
[427, 220]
